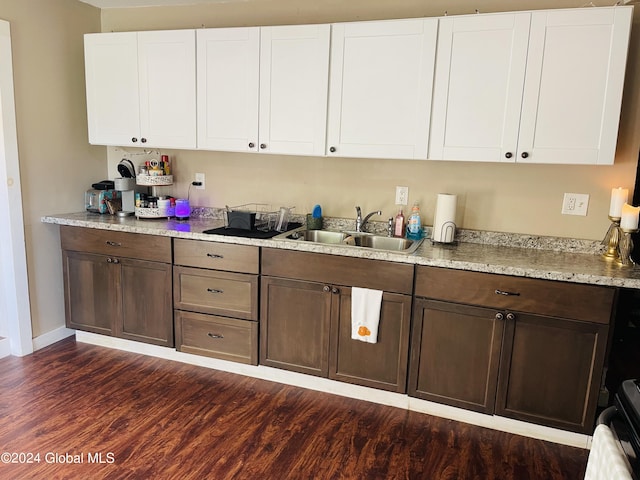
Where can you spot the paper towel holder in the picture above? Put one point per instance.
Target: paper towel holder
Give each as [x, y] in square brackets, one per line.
[447, 234]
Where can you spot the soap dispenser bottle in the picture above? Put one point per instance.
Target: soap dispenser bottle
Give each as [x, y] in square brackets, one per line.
[398, 225]
[414, 226]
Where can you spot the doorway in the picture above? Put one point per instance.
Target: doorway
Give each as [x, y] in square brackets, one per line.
[15, 313]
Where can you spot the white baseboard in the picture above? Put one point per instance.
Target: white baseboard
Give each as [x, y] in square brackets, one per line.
[346, 390]
[5, 347]
[51, 337]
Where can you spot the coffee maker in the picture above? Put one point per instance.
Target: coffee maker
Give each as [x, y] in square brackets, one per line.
[126, 185]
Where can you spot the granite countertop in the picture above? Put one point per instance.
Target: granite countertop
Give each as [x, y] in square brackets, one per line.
[535, 257]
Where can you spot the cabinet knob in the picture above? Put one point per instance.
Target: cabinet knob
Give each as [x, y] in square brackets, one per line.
[263, 146]
[326, 288]
[115, 260]
[508, 154]
[214, 255]
[113, 244]
[134, 139]
[215, 335]
[143, 140]
[499, 316]
[511, 317]
[525, 155]
[335, 290]
[109, 260]
[251, 144]
[214, 290]
[332, 149]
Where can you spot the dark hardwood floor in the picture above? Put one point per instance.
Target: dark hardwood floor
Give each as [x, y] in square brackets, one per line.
[156, 419]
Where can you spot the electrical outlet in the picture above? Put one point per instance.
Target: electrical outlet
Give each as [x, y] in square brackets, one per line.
[575, 204]
[402, 195]
[200, 178]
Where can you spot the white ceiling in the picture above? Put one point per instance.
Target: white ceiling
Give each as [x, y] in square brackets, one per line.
[150, 3]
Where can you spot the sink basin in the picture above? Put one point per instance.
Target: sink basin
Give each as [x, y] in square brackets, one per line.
[355, 239]
[382, 243]
[318, 236]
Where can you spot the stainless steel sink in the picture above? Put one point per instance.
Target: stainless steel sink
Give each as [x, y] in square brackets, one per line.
[354, 239]
[383, 243]
[318, 236]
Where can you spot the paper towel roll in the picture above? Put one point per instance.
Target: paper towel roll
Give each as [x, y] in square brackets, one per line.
[444, 221]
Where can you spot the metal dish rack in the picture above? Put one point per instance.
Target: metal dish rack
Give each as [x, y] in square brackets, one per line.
[267, 218]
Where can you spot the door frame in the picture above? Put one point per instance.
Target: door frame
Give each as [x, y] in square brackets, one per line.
[13, 257]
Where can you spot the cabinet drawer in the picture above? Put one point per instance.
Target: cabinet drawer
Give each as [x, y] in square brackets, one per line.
[210, 291]
[218, 256]
[219, 337]
[108, 242]
[588, 303]
[337, 270]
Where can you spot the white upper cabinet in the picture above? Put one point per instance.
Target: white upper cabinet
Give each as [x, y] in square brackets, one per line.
[480, 68]
[540, 87]
[228, 84]
[380, 88]
[263, 89]
[294, 80]
[111, 74]
[573, 89]
[141, 88]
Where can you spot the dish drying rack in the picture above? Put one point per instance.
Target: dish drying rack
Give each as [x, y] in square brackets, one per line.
[257, 216]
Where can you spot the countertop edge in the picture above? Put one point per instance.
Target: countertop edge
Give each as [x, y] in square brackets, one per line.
[604, 274]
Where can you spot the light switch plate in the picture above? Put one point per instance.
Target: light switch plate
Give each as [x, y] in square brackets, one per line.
[575, 204]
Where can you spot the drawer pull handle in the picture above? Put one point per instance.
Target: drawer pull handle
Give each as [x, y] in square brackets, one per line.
[214, 290]
[113, 244]
[215, 335]
[214, 255]
[507, 294]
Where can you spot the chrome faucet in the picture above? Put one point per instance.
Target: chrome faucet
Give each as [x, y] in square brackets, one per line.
[361, 222]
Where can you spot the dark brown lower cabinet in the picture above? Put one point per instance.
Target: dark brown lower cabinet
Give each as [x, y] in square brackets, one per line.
[109, 291]
[91, 292]
[527, 349]
[305, 318]
[551, 370]
[122, 297]
[306, 328]
[294, 325]
[455, 354]
[381, 365]
[119, 296]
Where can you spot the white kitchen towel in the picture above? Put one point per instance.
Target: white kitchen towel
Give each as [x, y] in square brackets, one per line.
[365, 314]
[607, 460]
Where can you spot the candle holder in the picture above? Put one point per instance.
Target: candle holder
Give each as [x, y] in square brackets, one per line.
[625, 247]
[612, 239]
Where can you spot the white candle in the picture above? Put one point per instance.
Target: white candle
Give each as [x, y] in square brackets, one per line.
[619, 196]
[629, 220]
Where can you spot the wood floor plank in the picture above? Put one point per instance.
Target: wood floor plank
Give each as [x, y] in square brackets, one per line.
[163, 420]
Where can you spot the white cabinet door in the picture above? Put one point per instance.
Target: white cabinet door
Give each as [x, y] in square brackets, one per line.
[111, 71]
[380, 88]
[573, 90]
[228, 85]
[532, 87]
[294, 79]
[480, 69]
[141, 88]
[167, 80]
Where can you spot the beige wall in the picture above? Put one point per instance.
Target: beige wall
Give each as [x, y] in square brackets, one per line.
[56, 162]
[510, 198]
